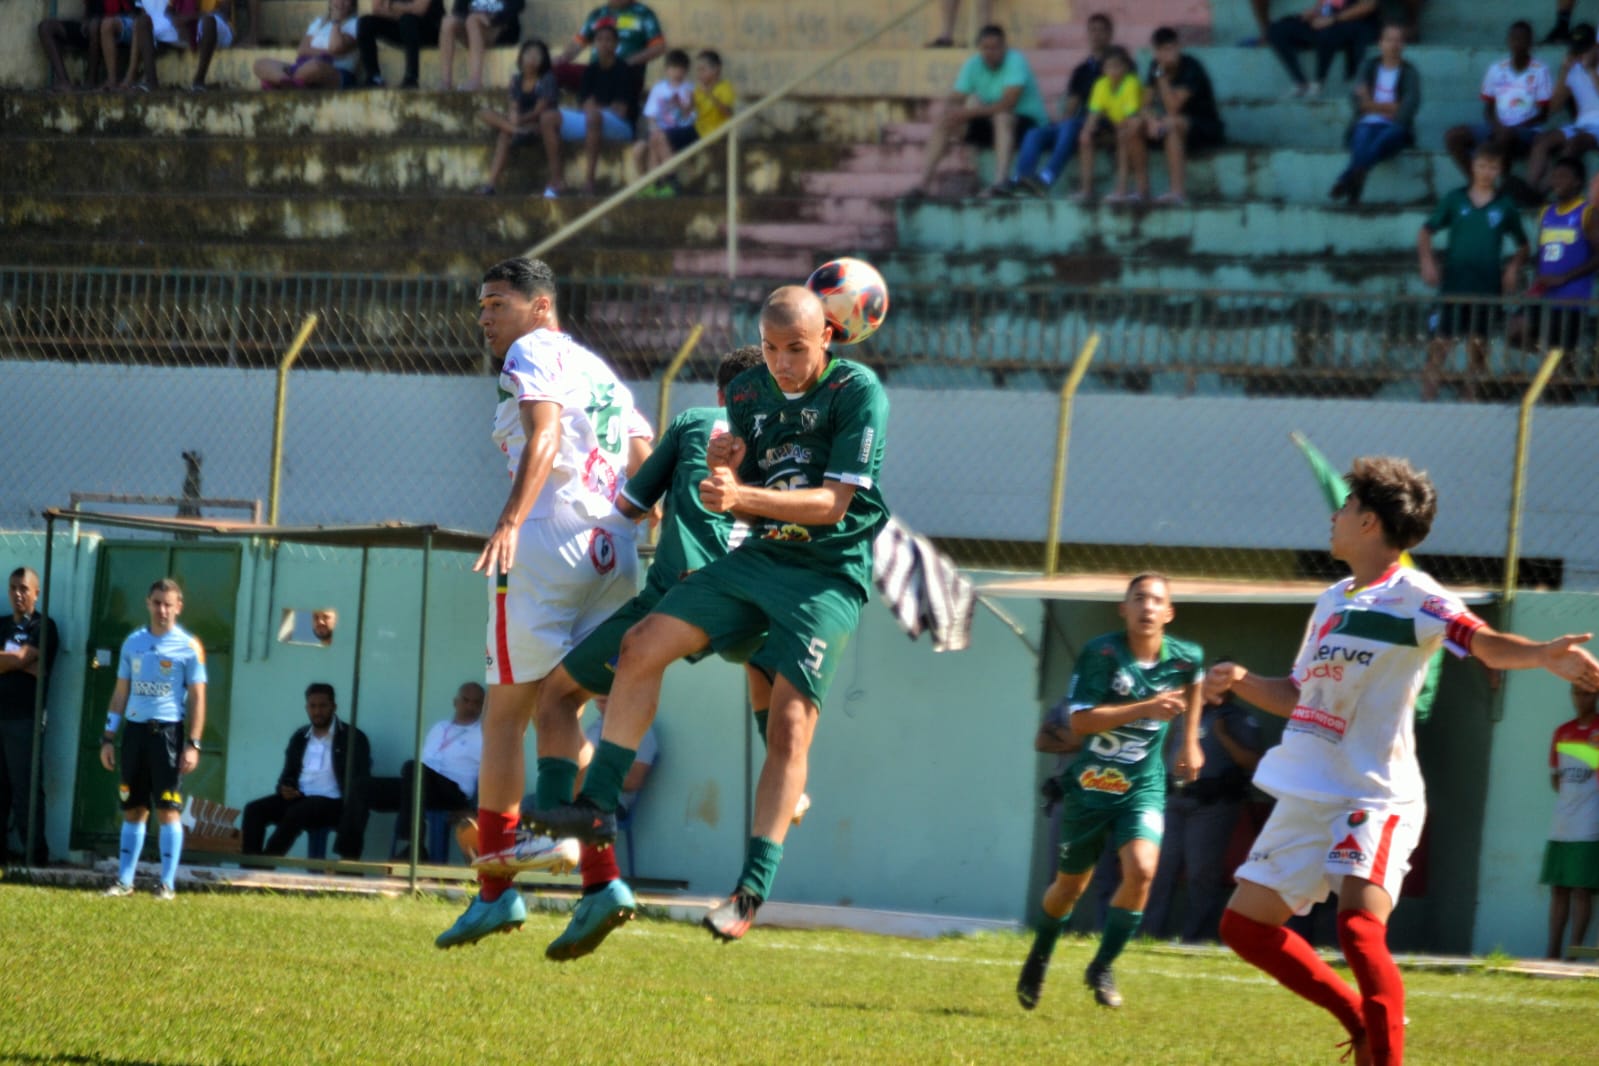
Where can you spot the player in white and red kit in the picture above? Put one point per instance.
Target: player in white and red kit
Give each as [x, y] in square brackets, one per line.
[560, 560]
[1351, 800]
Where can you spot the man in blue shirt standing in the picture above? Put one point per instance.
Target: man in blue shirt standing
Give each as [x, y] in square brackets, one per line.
[161, 666]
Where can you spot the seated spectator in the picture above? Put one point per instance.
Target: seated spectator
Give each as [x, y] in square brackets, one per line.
[408, 23]
[1113, 120]
[533, 93]
[1062, 136]
[313, 789]
[649, 750]
[482, 24]
[609, 99]
[140, 32]
[1515, 102]
[1479, 219]
[947, 10]
[1179, 111]
[1577, 85]
[1568, 255]
[1329, 27]
[326, 60]
[714, 95]
[451, 755]
[77, 35]
[639, 40]
[207, 26]
[668, 119]
[1385, 100]
[995, 104]
[1561, 32]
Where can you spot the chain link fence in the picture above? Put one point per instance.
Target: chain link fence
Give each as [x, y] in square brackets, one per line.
[164, 385]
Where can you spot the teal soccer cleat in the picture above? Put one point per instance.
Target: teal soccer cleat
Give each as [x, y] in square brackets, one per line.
[485, 919]
[592, 921]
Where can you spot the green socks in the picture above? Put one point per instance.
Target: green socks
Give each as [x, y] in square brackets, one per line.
[1120, 926]
[760, 724]
[556, 783]
[1049, 931]
[606, 774]
[760, 867]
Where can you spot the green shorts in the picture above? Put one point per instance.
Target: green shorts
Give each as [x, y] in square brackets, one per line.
[1571, 864]
[1083, 829]
[807, 615]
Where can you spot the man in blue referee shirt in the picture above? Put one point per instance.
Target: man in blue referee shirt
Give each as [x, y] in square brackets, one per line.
[161, 665]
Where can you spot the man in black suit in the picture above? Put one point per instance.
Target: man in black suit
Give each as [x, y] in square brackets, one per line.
[321, 787]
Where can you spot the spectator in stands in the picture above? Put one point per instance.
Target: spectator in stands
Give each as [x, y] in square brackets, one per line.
[948, 10]
[326, 770]
[639, 40]
[452, 753]
[326, 60]
[1479, 219]
[668, 119]
[714, 95]
[1062, 136]
[207, 26]
[1561, 32]
[482, 24]
[995, 103]
[609, 99]
[1571, 856]
[1200, 819]
[1113, 118]
[140, 32]
[533, 94]
[76, 35]
[408, 23]
[1385, 99]
[1568, 255]
[1179, 111]
[1329, 27]
[1515, 101]
[649, 750]
[1577, 85]
[27, 633]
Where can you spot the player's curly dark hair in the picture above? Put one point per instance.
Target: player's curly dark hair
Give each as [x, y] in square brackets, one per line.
[530, 277]
[1401, 497]
[736, 362]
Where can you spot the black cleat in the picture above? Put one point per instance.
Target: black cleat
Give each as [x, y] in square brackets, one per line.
[580, 819]
[1030, 985]
[732, 918]
[1103, 982]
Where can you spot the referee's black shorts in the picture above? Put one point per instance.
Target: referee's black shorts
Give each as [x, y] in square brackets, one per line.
[150, 776]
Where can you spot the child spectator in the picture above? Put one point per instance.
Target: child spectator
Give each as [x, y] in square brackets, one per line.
[1386, 100]
[669, 115]
[1568, 255]
[1515, 102]
[207, 26]
[482, 24]
[1579, 87]
[1113, 116]
[140, 31]
[326, 58]
[534, 92]
[1328, 26]
[609, 95]
[1179, 111]
[713, 95]
[77, 35]
[1571, 856]
[408, 23]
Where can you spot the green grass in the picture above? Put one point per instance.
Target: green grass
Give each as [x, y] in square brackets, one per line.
[291, 979]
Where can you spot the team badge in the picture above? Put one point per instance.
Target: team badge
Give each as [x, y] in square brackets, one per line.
[808, 418]
[1357, 819]
[602, 552]
[758, 424]
[1122, 683]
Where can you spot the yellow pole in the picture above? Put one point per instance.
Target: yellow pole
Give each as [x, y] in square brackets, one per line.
[675, 367]
[1518, 479]
[1063, 433]
[284, 364]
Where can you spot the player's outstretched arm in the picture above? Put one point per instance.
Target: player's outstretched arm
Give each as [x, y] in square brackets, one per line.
[1274, 695]
[541, 423]
[1163, 706]
[1564, 656]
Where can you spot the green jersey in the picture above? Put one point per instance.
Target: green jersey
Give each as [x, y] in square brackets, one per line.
[1474, 260]
[691, 535]
[1125, 765]
[835, 431]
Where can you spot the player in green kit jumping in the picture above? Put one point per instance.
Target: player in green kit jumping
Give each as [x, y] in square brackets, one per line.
[801, 465]
[1124, 693]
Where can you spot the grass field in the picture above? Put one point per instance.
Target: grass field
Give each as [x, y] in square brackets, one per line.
[219, 978]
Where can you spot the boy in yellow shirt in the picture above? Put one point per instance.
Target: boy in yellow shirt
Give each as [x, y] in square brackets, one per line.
[1113, 110]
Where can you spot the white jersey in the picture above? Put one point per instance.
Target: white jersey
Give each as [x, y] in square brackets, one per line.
[1351, 739]
[596, 409]
[1517, 94]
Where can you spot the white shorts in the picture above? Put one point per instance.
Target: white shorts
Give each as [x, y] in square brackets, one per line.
[1306, 849]
[571, 574]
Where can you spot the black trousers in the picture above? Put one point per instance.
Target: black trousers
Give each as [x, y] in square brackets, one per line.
[439, 793]
[290, 818]
[16, 769]
[1292, 34]
[410, 32]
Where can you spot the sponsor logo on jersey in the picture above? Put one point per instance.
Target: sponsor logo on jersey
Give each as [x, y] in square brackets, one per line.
[1347, 850]
[602, 552]
[743, 396]
[1438, 607]
[784, 453]
[1111, 780]
[867, 436]
[789, 531]
[152, 689]
[1341, 654]
[1317, 722]
[1358, 818]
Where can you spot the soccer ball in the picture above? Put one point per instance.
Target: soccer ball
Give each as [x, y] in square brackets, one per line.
[854, 298]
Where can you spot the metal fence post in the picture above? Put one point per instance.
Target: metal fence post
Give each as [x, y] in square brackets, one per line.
[1063, 433]
[732, 203]
[1518, 477]
[279, 404]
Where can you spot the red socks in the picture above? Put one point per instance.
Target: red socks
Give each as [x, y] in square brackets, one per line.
[597, 865]
[495, 832]
[1365, 943]
[1285, 955]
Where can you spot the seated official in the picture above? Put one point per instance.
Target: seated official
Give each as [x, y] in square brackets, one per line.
[320, 787]
[452, 754]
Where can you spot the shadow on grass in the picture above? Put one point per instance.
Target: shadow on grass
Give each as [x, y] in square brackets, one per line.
[69, 1059]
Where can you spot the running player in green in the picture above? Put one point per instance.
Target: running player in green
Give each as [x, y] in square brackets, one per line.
[691, 536]
[801, 464]
[1124, 693]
